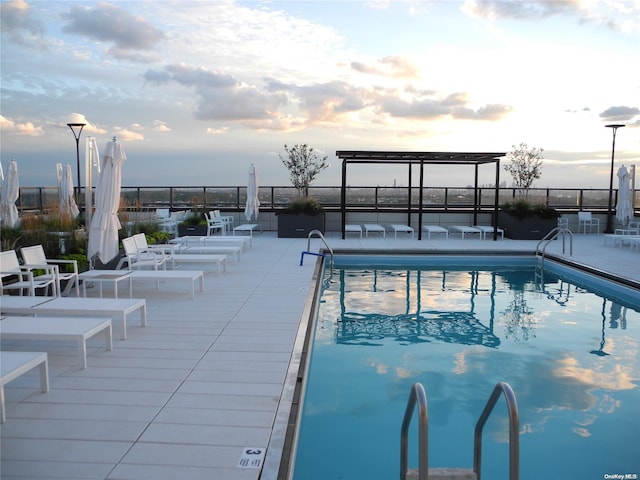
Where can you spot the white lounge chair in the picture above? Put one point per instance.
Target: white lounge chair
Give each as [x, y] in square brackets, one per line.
[72, 329]
[435, 229]
[401, 228]
[202, 248]
[137, 259]
[195, 256]
[374, 227]
[353, 228]
[116, 276]
[15, 364]
[247, 227]
[488, 230]
[34, 256]
[114, 308]
[167, 250]
[466, 230]
[586, 220]
[10, 268]
[243, 242]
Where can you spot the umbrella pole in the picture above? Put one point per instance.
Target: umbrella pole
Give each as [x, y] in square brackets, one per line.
[88, 175]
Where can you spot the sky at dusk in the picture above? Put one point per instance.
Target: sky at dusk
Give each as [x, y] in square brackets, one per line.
[196, 91]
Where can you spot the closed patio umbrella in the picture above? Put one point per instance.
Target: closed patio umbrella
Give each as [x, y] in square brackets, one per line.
[624, 211]
[10, 193]
[252, 208]
[68, 206]
[103, 234]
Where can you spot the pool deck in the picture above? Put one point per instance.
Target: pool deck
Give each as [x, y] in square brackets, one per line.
[188, 395]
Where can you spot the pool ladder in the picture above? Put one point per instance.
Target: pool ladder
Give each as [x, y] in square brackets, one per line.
[308, 251]
[418, 397]
[552, 235]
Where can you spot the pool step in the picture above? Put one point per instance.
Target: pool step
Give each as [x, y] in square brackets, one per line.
[444, 474]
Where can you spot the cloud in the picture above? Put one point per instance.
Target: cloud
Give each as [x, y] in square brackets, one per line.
[221, 96]
[620, 114]
[88, 128]
[323, 101]
[390, 66]
[613, 15]
[521, 9]
[126, 135]
[28, 129]
[108, 23]
[486, 112]
[160, 126]
[17, 21]
[455, 105]
[217, 131]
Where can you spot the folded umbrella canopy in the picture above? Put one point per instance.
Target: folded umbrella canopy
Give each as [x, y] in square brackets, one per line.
[624, 211]
[103, 234]
[252, 208]
[68, 206]
[10, 193]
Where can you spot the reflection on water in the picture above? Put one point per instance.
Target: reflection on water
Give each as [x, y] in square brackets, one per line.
[571, 356]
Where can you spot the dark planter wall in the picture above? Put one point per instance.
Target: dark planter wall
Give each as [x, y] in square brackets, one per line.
[197, 230]
[298, 225]
[530, 228]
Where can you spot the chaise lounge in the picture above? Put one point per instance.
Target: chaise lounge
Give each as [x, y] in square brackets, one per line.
[72, 329]
[374, 228]
[114, 308]
[15, 364]
[465, 230]
[435, 229]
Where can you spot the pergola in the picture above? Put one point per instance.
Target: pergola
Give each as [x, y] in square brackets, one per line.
[422, 159]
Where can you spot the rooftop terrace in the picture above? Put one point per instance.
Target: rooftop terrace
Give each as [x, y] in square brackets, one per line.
[209, 377]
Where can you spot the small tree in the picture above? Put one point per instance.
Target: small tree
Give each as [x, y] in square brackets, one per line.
[525, 166]
[304, 165]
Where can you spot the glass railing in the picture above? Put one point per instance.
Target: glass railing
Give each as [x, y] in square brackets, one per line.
[272, 198]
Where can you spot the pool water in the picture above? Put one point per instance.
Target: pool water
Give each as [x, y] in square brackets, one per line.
[569, 351]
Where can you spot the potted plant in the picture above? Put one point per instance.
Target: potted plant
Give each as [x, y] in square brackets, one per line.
[303, 214]
[194, 224]
[520, 219]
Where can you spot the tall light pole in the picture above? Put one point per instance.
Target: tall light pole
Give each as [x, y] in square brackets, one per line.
[76, 135]
[614, 128]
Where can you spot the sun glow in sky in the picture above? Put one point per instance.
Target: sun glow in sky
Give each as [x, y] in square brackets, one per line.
[198, 90]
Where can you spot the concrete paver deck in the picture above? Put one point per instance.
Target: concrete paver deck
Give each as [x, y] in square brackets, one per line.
[186, 395]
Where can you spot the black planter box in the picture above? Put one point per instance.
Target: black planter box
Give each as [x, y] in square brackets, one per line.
[529, 228]
[195, 230]
[298, 225]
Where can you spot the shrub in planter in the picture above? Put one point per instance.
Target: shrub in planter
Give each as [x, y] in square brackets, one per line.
[303, 214]
[299, 218]
[523, 221]
[194, 224]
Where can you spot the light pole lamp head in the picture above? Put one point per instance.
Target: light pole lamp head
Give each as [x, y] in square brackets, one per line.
[73, 127]
[615, 126]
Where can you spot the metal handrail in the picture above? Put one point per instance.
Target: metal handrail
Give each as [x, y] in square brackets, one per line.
[321, 236]
[514, 430]
[417, 396]
[552, 235]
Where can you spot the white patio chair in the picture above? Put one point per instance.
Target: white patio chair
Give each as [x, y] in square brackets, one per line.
[226, 220]
[10, 267]
[214, 223]
[138, 260]
[166, 250]
[169, 220]
[34, 256]
[585, 220]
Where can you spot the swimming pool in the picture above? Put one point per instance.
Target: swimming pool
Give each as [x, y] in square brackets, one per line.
[566, 342]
